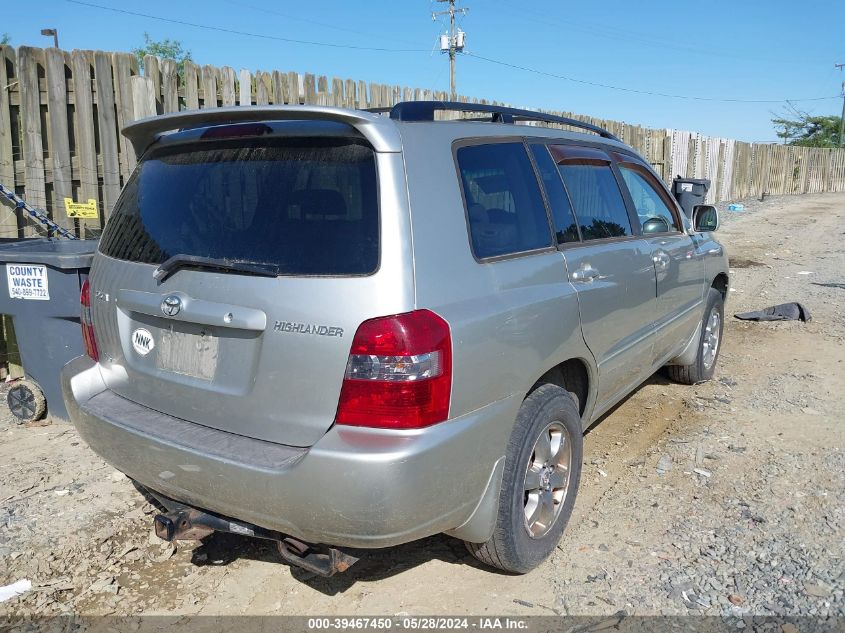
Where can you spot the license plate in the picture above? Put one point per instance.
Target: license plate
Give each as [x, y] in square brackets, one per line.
[188, 354]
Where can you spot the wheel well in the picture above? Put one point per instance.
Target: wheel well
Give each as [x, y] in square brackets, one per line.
[720, 283]
[573, 376]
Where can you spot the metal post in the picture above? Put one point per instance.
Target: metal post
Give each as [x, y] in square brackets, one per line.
[54, 33]
[842, 120]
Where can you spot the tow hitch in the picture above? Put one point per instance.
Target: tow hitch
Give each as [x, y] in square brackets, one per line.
[183, 523]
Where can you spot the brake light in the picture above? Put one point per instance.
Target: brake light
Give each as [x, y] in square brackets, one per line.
[399, 373]
[237, 130]
[88, 322]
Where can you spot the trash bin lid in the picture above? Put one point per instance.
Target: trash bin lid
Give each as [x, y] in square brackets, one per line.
[698, 186]
[52, 252]
[694, 181]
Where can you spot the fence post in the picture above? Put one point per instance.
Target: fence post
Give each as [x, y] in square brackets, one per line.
[764, 171]
[108, 130]
[59, 143]
[192, 100]
[209, 86]
[143, 97]
[123, 71]
[86, 153]
[245, 88]
[33, 144]
[8, 218]
[169, 86]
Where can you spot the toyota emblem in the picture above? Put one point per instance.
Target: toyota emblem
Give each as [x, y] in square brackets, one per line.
[171, 306]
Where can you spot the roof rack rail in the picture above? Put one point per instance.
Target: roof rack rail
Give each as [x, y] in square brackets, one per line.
[424, 111]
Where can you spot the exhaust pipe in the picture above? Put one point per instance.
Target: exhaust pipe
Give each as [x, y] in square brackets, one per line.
[184, 523]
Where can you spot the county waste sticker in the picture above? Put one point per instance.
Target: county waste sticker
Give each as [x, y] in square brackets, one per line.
[28, 281]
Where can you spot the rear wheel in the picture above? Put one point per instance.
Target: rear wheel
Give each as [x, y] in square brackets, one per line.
[709, 345]
[26, 401]
[540, 481]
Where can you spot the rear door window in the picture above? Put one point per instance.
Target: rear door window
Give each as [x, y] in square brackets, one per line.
[597, 199]
[505, 209]
[306, 206]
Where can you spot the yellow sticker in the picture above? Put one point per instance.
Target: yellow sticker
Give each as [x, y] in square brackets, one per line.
[86, 210]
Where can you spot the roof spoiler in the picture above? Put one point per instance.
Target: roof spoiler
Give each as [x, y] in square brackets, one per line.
[380, 131]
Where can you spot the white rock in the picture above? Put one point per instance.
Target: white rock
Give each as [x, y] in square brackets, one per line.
[15, 589]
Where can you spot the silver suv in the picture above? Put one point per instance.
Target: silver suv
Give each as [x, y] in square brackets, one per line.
[341, 329]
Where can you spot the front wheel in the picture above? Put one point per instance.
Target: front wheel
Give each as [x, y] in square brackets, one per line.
[539, 484]
[709, 344]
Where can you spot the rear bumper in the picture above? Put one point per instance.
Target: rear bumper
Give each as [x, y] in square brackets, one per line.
[353, 488]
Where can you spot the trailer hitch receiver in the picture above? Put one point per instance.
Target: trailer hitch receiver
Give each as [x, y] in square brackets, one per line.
[184, 523]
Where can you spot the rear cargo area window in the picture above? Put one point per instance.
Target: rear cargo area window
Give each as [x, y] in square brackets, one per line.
[306, 206]
[503, 201]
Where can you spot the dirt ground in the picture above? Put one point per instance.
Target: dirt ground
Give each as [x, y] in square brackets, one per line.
[723, 498]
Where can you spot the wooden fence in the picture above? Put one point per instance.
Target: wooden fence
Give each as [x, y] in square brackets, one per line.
[61, 112]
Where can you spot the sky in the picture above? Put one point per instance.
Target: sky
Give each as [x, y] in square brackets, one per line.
[716, 55]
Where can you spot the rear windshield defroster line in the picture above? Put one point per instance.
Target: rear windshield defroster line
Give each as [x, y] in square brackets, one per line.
[306, 206]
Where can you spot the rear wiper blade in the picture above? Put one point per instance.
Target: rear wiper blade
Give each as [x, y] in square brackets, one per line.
[172, 264]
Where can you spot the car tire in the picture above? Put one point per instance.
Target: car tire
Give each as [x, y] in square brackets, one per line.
[709, 344]
[547, 440]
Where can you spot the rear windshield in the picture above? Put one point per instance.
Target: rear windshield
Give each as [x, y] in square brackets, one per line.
[308, 206]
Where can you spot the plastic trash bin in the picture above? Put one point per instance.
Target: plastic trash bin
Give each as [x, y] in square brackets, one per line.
[43, 278]
[690, 192]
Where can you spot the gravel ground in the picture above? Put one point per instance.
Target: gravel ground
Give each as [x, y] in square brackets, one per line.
[727, 498]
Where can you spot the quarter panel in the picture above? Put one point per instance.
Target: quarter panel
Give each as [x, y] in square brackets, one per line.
[511, 319]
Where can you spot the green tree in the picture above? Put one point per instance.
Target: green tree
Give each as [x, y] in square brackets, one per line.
[800, 128]
[165, 49]
[5, 39]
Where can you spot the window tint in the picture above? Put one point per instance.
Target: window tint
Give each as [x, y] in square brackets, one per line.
[597, 199]
[566, 229]
[655, 216]
[305, 206]
[504, 204]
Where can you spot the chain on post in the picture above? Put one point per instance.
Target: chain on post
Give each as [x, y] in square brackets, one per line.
[35, 213]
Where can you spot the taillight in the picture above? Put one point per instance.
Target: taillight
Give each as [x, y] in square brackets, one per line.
[237, 130]
[399, 373]
[88, 322]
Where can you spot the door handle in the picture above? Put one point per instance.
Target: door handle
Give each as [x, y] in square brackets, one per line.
[585, 274]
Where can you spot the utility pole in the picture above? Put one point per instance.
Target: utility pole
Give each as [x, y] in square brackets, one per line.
[455, 44]
[842, 120]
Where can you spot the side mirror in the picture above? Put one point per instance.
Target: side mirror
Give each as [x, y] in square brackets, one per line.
[705, 218]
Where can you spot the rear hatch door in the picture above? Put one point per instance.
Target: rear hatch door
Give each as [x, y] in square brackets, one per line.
[233, 273]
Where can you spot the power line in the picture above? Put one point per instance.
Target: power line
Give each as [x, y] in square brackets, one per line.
[221, 29]
[616, 34]
[635, 90]
[326, 25]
